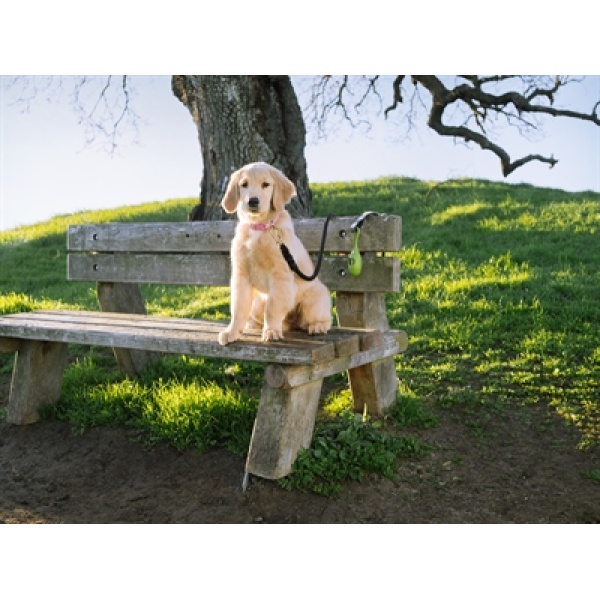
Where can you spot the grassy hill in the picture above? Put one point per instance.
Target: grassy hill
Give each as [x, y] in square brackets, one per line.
[500, 289]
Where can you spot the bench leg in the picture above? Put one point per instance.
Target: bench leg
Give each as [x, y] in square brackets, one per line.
[374, 385]
[37, 379]
[284, 425]
[126, 298]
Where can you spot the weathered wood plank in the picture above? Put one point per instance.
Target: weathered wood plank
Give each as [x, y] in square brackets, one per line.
[379, 274]
[378, 234]
[210, 236]
[345, 339]
[133, 321]
[182, 269]
[279, 376]
[191, 336]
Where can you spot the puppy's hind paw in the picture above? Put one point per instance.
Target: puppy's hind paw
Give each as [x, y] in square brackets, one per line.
[272, 335]
[319, 328]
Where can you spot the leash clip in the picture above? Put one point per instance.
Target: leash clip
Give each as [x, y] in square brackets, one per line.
[358, 223]
[276, 235]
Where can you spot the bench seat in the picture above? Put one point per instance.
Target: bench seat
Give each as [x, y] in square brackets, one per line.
[194, 337]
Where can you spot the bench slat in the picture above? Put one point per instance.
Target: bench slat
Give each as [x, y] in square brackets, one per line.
[182, 269]
[161, 334]
[379, 274]
[378, 234]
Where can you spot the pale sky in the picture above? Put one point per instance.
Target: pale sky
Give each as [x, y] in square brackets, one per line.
[47, 170]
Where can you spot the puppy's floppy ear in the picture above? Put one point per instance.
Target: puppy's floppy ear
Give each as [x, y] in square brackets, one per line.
[284, 190]
[232, 193]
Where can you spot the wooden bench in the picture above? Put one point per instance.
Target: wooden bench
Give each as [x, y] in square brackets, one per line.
[120, 256]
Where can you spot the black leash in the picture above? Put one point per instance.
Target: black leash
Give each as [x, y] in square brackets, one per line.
[289, 259]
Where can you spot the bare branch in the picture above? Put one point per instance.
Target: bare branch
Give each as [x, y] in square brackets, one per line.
[343, 99]
[481, 104]
[370, 90]
[397, 98]
[103, 106]
[468, 110]
[106, 112]
[25, 91]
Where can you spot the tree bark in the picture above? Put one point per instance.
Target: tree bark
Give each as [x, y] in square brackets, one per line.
[244, 119]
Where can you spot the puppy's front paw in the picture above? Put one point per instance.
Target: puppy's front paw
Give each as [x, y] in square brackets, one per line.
[272, 335]
[320, 327]
[227, 336]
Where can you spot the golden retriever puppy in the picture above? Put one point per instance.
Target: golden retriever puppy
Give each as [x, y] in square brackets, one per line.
[264, 290]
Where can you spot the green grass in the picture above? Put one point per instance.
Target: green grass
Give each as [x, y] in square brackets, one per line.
[185, 401]
[500, 288]
[500, 292]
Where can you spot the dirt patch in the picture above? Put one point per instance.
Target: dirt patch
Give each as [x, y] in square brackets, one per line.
[522, 468]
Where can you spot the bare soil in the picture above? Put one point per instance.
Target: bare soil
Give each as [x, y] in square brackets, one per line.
[521, 467]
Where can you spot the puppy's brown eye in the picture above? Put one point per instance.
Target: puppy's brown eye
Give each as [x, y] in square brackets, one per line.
[244, 184]
[265, 184]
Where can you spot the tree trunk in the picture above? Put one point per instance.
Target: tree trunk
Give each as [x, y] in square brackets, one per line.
[243, 119]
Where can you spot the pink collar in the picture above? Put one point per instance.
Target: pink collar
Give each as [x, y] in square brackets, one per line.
[264, 226]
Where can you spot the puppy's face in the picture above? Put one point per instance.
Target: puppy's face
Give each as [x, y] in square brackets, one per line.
[257, 191]
[255, 188]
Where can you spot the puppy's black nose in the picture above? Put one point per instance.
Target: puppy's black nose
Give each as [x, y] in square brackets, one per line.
[253, 202]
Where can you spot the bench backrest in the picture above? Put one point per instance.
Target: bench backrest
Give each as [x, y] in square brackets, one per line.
[197, 253]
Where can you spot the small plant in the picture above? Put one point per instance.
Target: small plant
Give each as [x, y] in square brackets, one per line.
[594, 475]
[408, 411]
[348, 447]
[337, 403]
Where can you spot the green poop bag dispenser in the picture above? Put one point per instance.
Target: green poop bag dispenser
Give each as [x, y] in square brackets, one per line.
[355, 261]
